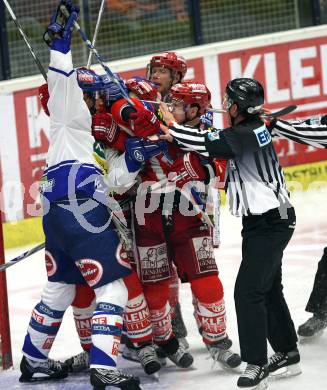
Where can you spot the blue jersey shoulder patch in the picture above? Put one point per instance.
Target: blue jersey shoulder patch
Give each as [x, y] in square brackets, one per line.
[263, 135]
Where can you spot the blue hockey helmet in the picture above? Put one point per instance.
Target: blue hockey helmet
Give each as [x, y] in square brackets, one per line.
[100, 85]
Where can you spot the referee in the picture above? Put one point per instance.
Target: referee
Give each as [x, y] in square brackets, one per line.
[257, 192]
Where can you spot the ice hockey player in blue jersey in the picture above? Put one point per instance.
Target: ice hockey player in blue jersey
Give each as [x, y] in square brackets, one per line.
[81, 243]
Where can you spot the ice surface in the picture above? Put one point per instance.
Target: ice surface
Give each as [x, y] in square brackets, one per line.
[25, 283]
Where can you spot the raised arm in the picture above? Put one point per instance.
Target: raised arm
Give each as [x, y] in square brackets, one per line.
[66, 105]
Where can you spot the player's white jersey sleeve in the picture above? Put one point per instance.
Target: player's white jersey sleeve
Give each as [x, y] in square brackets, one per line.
[119, 179]
[70, 141]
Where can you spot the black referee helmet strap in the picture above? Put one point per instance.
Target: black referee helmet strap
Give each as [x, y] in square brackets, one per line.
[247, 93]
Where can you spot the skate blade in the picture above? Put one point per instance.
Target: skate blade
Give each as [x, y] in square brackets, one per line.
[155, 376]
[26, 379]
[286, 372]
[260, 386]
[227, 368]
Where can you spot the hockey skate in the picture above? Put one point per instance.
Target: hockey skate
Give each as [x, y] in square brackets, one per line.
[176, 353]
[313, 327]
[47, 370]
[283, 365]
[101, 377]
[254, 377]
[148, 358]
[79, 363]
[220, 352]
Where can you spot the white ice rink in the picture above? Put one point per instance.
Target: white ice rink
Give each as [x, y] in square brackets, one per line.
[25, 281]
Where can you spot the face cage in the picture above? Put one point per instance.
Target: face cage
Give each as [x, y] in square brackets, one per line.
[172, 72]
[183, 110]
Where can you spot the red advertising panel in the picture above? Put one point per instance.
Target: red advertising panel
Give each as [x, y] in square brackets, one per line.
[291, 73]
[32, 129]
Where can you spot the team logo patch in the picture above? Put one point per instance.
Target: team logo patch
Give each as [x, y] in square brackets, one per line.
[48, 343]
[263, 136]
[204, 254]
[91, 270]
[50, 264]
[46, 185]
[214, 135]
[115, 348]
[138, 156]
[122, 256]
[154, 263]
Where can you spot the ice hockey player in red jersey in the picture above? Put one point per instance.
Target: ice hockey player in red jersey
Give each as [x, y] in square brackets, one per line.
[167, 236]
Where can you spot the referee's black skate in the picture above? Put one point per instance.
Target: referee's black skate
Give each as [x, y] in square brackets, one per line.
[254, 377]
[101, 377]
[282, 365]
[313, 327]
[33, 370]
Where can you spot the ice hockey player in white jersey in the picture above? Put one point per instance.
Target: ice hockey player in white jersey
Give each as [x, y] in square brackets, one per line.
[81, 243]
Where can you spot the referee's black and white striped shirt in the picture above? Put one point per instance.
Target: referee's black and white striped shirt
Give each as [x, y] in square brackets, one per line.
[254, 179]
[309, 132]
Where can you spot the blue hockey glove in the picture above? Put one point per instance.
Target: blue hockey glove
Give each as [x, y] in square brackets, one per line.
[59, 32]
[206, 120]
[91, 82]
[139, 150]
[113, 92]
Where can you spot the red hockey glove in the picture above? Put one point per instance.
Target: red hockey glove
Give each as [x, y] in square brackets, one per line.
[190, 166]
[144, 122]
[44, 97]
[104, 128]
[144, 89]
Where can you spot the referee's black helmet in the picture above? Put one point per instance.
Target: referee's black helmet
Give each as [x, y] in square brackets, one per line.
[247, 94]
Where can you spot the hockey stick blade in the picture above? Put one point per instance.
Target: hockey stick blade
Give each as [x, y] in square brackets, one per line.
[282, 112]
[21, 257]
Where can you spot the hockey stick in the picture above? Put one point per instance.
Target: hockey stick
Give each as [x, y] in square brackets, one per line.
[21, 257]
[276, 114]
[95, 33]
[196, 201]
[94, 51]
[281, 112]
[22, 33]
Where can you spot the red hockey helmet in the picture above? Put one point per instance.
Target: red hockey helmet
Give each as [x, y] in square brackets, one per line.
[191, 93]
[169, 60]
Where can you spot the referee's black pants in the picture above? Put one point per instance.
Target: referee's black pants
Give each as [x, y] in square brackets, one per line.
[261, 309]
